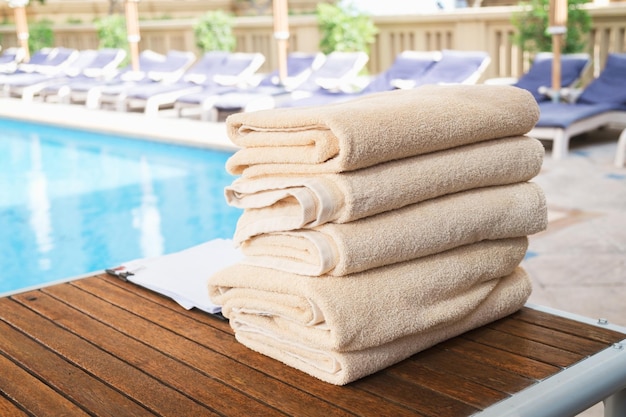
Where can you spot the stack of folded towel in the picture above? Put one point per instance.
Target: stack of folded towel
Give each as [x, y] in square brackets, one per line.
[375, 228]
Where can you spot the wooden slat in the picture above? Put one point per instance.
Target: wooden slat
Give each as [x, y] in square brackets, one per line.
[30, 393]
[7, 408]
[100, 346]
[227, 346]
[78, 386]
[517, 364]
[473, 370]
[424, 401]
[170, 371]
[523, 347]
[551, 337]
[451, 385]
[112, 370]
[569, 326]
[176, 336]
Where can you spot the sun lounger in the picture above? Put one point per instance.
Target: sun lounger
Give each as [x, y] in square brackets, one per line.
[88, 64]
[169, 70]
[337, 72]
[36, 59]
[45, 61]
[538, 78]
[216, 72]
[451, 67]
[454, 67]
[601, 103]
[300, 66]
[407, 67]
[102, 66]
[81, 90]
[10, 59]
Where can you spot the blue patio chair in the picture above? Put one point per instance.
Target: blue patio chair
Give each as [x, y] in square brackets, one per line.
[454, 67]
[408, 65]
[538, 79]
[601, 103]
[338, 70]
[10, 59]
[89, 63]
[217, 72]
[173, 66]
[45, 61]
[36, 59]
[85, 89]
[299, 68]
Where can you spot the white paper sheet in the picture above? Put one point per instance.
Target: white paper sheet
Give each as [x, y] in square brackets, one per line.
[183, 276]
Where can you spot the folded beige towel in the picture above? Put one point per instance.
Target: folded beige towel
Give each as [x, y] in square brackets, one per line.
[274, 204]
[410, 232]
[377, 128]
[343, 367]
[369, 308]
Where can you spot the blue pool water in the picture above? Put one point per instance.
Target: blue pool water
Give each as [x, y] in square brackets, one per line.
[74, 202]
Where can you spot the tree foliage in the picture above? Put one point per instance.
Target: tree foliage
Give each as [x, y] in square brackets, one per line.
[214, 32]
[344, 29]
[111, 31]
[532, 24]
[41, 35]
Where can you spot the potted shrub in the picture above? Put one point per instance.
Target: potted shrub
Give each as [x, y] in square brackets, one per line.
[343, 28]
[213, 32]
[533, 21]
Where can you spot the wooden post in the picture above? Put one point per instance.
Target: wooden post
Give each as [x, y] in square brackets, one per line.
[281, 34]
[557, 28]
[132, 32]
[21, 25]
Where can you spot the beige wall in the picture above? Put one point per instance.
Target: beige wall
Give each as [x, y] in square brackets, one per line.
[487, 29]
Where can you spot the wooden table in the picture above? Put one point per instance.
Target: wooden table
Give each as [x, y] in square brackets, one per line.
[100, 346]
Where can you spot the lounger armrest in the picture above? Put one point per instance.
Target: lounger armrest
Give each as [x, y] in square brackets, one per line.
[501, 81]
[568, 95]
[228, 80]
[571, 94]
[195, 78]
[328, 83]
[132, 76]
[402, 84]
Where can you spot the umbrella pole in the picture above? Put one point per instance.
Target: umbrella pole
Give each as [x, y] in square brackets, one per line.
[22, 30]
[132, 31]
[557, 28]
[281, 34]
[21, 25]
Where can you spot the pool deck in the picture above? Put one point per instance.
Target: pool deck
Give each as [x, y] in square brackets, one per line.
[166, 127]
[578, 265]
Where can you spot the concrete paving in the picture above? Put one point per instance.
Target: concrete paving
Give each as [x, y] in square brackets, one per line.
[579, 263]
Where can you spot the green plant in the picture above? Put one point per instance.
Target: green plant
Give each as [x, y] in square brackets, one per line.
[214, 32]
[111, 31]
[344, 29]
[533, 21]
[41, 35]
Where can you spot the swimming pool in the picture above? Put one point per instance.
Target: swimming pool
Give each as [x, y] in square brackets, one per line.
[74, 202]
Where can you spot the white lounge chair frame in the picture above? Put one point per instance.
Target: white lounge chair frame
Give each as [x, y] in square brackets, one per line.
[560, 137]
[209, 113]
[152, 105]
